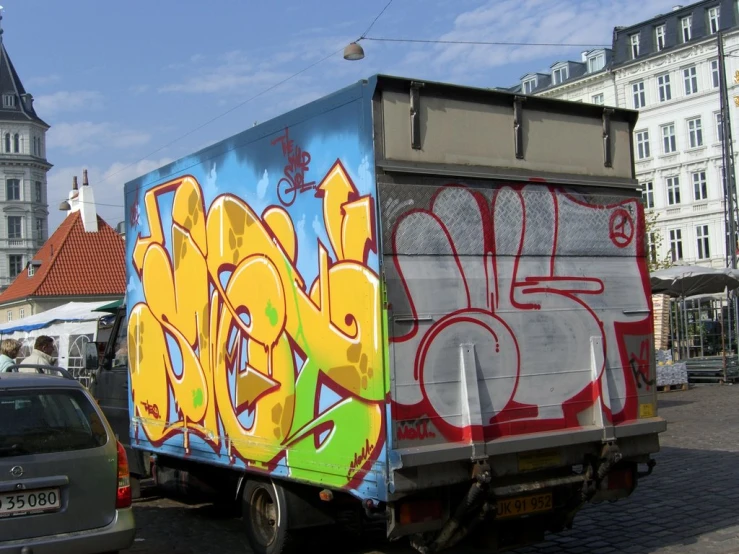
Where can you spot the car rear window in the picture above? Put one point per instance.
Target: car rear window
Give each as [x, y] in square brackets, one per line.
[42, 422]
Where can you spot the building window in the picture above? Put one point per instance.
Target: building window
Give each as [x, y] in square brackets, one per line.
[669, 145]
[529, 85]
[700, 190]
[653, 248]
[686, 23]
[15, 225]
[31, 270]
[8, 100]
[7, 142]
[38, 192]
[695, 132]
[690, 77]
[647, 193]
[10, 315]
[596, 63]
[21, 313]
[663, 88]
[714, 74]
[635, 46]
[659, 37]
[676, 244]
[13, 189]
[16, 143]
[559, 75]
[598, 99]
[40, 228]
[719, 127]
[639, 96]
[673, 191]
[15, 265]
[642, 145]
[713, 20]
[701, 233]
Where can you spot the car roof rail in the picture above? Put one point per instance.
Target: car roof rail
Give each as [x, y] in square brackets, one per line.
[42, 369]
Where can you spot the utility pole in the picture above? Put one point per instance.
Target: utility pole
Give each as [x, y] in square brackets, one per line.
[727, 155]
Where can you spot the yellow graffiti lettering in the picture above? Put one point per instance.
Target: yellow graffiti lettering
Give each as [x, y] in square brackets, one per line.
[230, 326]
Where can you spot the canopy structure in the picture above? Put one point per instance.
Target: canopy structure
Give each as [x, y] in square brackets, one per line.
[71, 326]
[112, 307]
[689, 280]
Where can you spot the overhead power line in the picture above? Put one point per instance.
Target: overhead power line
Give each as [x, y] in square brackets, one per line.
[485, 43]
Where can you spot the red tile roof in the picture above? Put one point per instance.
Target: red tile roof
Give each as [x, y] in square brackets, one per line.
[75, 263]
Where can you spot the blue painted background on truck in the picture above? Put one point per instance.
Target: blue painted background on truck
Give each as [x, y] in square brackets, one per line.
[255, 320]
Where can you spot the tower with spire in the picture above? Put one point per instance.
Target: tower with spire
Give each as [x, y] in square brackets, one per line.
[23, 169]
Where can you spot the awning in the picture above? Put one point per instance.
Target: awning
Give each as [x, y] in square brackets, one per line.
[111, 308]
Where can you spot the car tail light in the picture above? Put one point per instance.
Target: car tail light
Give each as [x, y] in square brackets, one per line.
[123, 496]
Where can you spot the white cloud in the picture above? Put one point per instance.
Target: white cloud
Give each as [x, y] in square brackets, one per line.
[68, 101]
[42, 80]
[262, 185]
[300, 231]
[524, 21]
[210, 188]
[317, 226]
[87, 136]
[139, 89]
[107, 183]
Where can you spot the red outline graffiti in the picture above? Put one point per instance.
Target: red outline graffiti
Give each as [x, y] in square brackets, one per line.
[516, 418]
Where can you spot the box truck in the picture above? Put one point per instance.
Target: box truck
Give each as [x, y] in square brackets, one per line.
[424, 303]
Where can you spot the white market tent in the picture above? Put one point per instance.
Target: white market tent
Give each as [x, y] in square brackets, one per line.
[71, 326]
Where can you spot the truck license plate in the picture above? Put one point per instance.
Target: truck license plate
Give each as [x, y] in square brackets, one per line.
[29, 502]
[522, 505]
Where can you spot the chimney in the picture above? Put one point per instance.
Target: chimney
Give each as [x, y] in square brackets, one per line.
[86, 206]
[74, 183]
[28, 101]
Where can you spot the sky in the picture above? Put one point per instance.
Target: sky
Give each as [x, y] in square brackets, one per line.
[130, 86]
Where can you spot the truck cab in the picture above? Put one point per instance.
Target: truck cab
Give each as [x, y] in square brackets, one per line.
[110, 388]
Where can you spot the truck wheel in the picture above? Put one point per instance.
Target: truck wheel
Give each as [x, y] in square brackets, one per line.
[265, 514]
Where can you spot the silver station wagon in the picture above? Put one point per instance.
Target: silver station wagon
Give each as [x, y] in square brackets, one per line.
[64, 481]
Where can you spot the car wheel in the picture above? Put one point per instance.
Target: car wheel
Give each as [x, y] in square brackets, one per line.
[265, 514]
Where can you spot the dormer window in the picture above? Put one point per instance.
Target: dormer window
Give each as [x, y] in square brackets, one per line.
[596, 62]
[559, 75]
[685, 24]
[659, 37]
[713, 20]
[33, 267]
[635, 46]
[8, 100]
[529, 85]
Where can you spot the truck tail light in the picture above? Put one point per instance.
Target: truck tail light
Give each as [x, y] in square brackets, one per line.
[419, 511]
[622, 479]
[123, 495]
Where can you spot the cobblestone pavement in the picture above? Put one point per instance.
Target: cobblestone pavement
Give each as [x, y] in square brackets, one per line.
[690, 504]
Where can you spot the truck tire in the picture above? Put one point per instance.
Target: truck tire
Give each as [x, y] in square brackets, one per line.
[264, 511]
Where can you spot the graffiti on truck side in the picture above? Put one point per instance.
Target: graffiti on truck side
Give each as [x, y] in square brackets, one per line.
[538, 308]
[236, 347]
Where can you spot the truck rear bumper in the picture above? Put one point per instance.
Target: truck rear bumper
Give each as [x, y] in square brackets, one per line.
[450, 452]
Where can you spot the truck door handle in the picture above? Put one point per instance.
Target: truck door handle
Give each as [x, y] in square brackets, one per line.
[635, 312]
[412, 319]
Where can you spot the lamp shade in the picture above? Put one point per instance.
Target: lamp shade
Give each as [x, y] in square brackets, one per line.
[353, 51]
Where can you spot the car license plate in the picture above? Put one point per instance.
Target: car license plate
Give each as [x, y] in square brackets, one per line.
[523, 505]
[29, 502]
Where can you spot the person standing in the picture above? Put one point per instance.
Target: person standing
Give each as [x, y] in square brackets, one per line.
[43, 354]
[9, 349]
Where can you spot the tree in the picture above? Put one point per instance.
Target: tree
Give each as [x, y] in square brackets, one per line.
[653, 238]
